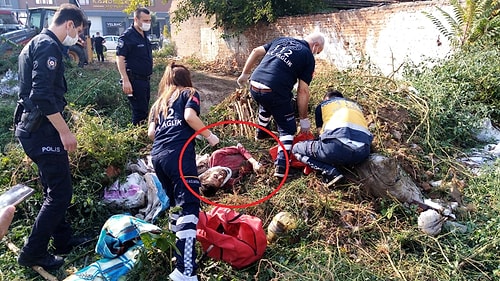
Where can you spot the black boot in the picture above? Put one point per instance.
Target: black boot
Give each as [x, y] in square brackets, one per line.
[47, 261]
[72, 243]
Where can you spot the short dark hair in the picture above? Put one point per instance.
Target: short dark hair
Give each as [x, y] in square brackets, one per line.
[67, 12]
[208, 190]
[138, 11]
[333, 94]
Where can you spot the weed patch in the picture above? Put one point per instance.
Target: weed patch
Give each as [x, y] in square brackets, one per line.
[340, 234]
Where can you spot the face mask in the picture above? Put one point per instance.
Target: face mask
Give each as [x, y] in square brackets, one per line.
[146, 26]
[314, 53]
[70, 41]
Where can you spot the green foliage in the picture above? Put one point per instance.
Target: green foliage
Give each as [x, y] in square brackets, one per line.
[132, 5]
[194, 62]
[7, 107]
[459, 93]
[376, 240]
[155, 260]
[167, 51]
[85, 88]
[483, 194]
[14, 167]
[8, 59]
[98, 137]
[99, 87]
[478, 21]
[237, 15]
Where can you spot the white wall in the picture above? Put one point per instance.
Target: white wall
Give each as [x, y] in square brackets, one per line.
[96, 25]
[386, 36]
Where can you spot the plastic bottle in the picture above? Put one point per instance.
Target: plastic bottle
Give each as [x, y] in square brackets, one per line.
[280, 224]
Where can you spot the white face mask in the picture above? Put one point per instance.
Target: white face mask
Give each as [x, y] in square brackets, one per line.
[146, 26]
[313, 51]
[70, 41]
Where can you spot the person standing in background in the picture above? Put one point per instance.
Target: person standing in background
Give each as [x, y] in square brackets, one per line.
[134, 59]
[285, 61]
[45, 135]
[99, 46]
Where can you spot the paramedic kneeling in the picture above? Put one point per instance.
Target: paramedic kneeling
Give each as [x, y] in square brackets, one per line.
[344, 138]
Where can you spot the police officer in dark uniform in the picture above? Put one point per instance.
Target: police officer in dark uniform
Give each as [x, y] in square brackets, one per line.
[98, 46]
[134, 59]
[45, 136]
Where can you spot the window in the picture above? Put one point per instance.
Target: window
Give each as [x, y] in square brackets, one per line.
[44, 2]
[5, 3]
[7, 19]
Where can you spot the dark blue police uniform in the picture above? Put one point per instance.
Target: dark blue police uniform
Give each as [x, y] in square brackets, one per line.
[42, 82]
[171, 133]
[139, 65]
[287, 59]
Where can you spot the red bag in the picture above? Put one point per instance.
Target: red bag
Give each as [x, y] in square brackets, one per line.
[294, 163]
[235, 238]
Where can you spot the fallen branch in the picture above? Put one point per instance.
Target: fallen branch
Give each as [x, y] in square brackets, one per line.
[37, 268]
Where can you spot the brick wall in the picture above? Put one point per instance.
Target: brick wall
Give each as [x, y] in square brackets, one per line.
[385, 36]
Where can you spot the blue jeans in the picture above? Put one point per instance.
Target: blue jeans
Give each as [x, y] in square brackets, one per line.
[326, 155]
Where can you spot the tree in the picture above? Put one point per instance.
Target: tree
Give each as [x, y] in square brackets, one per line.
[237, 15]
[477, 21]
[134, 4]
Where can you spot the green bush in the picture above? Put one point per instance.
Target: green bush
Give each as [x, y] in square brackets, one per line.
[8, 60]
[166, 51]
[7, 107]
[340, 235]
[459, 92]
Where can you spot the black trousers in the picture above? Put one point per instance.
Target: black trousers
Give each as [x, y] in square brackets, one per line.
[139, 101]
[100, 54]
[45, 148]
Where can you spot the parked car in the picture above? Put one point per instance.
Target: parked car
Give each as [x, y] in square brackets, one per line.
[111, 41]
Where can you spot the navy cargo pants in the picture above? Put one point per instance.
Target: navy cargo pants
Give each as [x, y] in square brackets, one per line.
[281, 109]
[139, 101]
[326, 155]
[183, 222]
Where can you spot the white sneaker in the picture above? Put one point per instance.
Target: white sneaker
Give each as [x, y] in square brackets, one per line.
[176, 275]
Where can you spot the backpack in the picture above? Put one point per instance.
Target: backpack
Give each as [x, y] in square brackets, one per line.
[233, 237]
[120, 245]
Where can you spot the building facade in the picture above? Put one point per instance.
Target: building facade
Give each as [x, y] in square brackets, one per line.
[106, 16]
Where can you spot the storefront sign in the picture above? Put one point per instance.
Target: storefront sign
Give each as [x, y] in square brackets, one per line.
[114, 24]
[109, 4]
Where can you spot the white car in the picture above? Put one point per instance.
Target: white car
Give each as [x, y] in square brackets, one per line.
[111, 41]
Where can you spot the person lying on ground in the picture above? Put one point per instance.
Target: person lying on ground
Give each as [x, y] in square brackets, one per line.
[344, 138]
[226, 167]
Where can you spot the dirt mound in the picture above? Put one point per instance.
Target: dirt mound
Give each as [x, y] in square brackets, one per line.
[213, 88]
